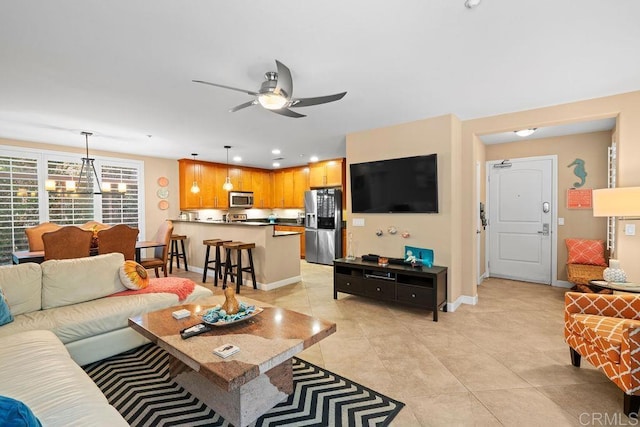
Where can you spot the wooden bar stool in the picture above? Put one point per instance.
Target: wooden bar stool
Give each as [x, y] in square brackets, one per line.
[175, 252]
[228, 266]
[217, 261]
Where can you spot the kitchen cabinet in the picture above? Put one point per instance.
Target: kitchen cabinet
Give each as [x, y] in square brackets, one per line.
[297, 229]
[241, 179]
[261, 187]
[220, 196]
[300, 185]
[201, 172]
[289, 186]
[330, 173]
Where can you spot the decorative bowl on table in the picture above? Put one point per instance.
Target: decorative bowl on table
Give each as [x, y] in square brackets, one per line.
[217, 316]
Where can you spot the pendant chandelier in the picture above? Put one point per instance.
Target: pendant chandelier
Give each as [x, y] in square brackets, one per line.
[84, 183]
[195, 188]
[227, 186]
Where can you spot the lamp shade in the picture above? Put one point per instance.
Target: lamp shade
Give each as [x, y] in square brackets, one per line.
[624, 202]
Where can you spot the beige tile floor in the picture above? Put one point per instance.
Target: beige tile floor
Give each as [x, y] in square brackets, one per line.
[500, 362]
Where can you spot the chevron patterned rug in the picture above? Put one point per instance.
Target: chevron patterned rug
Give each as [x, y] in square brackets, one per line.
[137, 384]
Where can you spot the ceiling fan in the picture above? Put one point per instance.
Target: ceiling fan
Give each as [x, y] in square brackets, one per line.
[276, 94]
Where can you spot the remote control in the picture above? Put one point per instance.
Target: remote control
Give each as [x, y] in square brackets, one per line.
[194, 330]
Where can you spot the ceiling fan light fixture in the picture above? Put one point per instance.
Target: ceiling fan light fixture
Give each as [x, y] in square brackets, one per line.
[525, 132]
[272, 101]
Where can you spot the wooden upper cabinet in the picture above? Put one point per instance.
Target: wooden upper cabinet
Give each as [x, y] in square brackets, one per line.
[288, 194]
[261, 187]
[220, 195]
[241, 179]
[278, 189]
[330, 173]
[300, 185]
[271, 189]
[200, 172]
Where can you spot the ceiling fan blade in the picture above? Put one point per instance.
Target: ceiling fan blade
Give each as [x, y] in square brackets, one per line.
[288, 113]
[241, 106]
[306, 102]
[248, 92]
[285, 83]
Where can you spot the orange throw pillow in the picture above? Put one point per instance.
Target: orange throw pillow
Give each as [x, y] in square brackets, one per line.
[133, 275]
[585, 251]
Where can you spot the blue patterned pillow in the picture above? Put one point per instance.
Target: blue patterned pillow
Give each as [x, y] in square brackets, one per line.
[5, 312]
[15, 413]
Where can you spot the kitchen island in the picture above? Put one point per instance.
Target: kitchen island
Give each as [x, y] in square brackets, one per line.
[276, 256]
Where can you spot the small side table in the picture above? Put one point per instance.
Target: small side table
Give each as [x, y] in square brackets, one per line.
[633, 288]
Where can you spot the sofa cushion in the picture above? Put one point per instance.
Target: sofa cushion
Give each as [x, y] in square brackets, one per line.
[37, 370]
[133, 275]
[22, 285]
[16, 413]
[71, 281]
[585, 251]
[5, 312]
[83, 320]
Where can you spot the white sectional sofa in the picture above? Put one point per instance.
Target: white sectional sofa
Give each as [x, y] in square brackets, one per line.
[37, 370]
[64, 312]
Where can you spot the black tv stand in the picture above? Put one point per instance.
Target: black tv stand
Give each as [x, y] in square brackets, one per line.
[425, 287]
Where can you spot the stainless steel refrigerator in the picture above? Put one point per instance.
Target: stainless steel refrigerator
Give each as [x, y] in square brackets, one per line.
[323, 225]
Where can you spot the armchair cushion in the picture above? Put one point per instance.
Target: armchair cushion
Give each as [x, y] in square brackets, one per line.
[605, 329]
[585, 251]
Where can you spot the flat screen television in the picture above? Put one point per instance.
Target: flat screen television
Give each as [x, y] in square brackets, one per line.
[407, 184]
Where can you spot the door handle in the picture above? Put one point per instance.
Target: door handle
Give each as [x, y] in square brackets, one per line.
[545, 229]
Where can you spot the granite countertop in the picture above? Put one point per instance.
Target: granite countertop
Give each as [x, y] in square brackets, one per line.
[246, 223]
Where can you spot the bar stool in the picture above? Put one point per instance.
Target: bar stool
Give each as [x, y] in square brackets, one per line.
[175, 252]
[228, 266]
[217, 261]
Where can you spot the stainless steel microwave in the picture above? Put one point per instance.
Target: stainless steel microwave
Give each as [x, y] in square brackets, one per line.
[240, 199]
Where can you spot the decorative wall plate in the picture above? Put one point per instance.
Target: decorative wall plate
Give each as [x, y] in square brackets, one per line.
[163, 205]
[163, 192]
[163, 181]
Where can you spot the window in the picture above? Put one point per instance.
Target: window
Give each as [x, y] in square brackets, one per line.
[25, 203]
[120, 208]
[19, 205]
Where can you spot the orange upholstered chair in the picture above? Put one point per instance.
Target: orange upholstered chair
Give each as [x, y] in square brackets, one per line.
[34, 234]
[66, 243]
[605, 329]
[160, 254]
[119, 238]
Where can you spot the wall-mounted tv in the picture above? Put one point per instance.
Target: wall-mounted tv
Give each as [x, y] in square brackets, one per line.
[408, 185]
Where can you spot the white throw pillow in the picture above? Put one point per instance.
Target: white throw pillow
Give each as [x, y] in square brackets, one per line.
[22, 285]
[70, 281]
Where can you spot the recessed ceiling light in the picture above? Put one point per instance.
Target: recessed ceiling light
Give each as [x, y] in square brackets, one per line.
[237, 158]
[313, 159]
[470, 4]
[276, 164]
[525, 132]
[275, 151]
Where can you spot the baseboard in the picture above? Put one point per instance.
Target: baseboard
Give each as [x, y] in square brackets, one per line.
[462, 299]
[562, 284]
[278, 284]
[261, 286]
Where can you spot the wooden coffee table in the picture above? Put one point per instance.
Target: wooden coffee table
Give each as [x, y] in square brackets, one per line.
[247, 384]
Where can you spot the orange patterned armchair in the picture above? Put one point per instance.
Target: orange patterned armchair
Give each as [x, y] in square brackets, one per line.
[605, 329]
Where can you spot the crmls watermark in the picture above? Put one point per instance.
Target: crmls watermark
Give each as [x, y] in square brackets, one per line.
[606, 419]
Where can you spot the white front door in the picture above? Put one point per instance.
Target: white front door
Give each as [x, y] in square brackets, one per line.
[520, 219]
